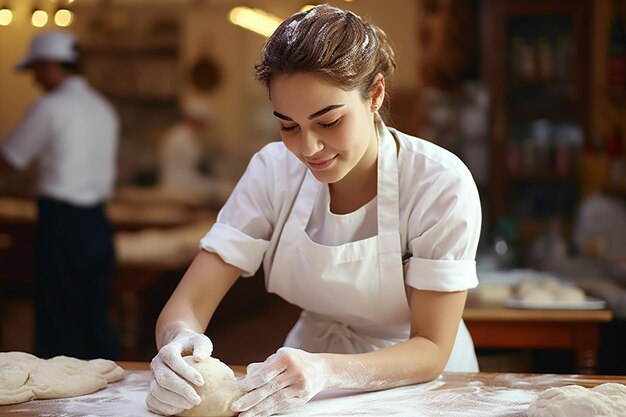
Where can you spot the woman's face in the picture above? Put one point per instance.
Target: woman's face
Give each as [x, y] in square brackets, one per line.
[329, 129]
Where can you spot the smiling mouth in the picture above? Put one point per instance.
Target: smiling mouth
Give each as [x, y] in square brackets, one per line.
[322, 164]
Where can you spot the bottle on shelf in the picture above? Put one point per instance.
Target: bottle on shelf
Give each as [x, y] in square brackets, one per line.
[615, 153]
[545, 59]
[616, 65]
[523, 65]
[563, 59]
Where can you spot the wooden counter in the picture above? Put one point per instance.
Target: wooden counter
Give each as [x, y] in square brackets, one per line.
[452, 394]
[501, 327]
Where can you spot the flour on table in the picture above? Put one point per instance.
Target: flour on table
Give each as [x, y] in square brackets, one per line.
[24, 377]
[432, 399]
[605, 400]
[506, 395]
[219, 391]
[125, 398]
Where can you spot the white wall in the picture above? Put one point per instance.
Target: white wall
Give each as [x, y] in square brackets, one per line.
[17, 90]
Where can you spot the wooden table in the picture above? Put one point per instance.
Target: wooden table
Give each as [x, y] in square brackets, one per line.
[452, 394]
[501, 327]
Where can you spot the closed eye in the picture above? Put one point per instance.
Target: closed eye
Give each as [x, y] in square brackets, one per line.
[288, 128]
[331, 124]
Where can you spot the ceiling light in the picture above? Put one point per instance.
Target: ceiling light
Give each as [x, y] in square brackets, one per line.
[6, 16]
[39, 18]
[63, 17]
[255, 20]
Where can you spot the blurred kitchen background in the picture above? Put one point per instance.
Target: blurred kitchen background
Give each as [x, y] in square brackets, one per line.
[530, 94]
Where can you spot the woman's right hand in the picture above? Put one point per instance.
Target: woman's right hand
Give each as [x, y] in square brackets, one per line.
[171, 391]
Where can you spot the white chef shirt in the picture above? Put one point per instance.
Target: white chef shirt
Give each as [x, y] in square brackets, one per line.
[180, 157]
[440, 215]
[72, 132]
[330, 229]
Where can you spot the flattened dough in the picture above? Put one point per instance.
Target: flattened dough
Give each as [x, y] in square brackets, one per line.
[219, 391]
[24, 377]
[606, 400]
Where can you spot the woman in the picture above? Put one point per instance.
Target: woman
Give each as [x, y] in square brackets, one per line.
[334, 212]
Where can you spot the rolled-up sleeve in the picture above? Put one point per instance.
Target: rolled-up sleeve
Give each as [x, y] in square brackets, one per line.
[244, 226]
[235, 247]
[446, 231]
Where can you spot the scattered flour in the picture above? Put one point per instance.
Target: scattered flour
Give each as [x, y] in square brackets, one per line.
[124, 398]
[507, 395]
[292, 27]
[431, 399]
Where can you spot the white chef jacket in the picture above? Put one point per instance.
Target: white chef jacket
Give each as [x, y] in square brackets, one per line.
[330, 229]
[434, 222]
[440, 214]
[180, 158]
[72, 132]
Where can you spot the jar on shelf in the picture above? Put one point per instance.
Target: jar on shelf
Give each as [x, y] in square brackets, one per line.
[616, 65]
[545, 60]
[523, 66]
[563, 59]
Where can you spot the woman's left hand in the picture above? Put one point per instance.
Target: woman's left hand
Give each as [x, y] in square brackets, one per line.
[287, 379]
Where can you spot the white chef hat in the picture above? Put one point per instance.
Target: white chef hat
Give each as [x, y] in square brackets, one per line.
[57, 45]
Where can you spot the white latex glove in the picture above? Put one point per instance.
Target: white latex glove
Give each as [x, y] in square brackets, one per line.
[287, 379]
[170, 389]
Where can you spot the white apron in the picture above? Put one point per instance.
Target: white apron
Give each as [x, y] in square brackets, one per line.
[353, 295]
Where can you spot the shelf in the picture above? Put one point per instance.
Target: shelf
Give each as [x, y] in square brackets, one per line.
[543, 106]
[152, 101]
[169, 51]
[546, 177]
[552, 86]
[534, 178]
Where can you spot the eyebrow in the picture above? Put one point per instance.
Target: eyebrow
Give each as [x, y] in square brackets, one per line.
[312, 116]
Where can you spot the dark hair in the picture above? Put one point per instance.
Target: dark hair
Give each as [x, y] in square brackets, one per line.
[335, 44]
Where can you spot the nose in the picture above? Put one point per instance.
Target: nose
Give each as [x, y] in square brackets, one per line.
[310, 144]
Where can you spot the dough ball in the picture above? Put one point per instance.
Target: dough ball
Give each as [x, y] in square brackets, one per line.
[538, 296]
[219, 391]
[12, 384]
[551, 284]
[24, 377]
[488, 293]
[566, 294]
[548, 291]
[616, 392]
[62, 377]
[577, 401]
[527, 286]
[21, 358]
[12, 376]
